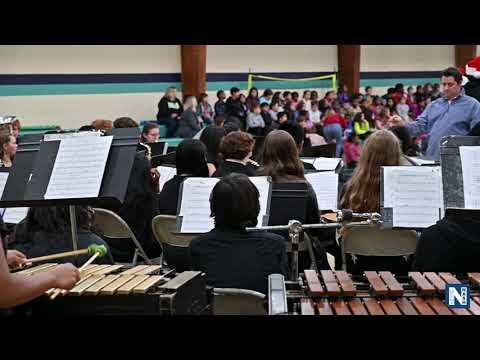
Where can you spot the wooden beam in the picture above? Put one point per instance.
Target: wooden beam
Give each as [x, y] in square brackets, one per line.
[464, 53]
[194, 69]
[349, 67]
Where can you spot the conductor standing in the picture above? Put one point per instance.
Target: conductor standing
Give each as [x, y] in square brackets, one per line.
[452, 114]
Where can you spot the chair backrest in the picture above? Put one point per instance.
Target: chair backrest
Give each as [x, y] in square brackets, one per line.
[164, 227]
[114, 227]
[373, 241]
[238, 302]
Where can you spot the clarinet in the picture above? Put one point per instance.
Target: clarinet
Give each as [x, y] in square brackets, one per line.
[148, 152]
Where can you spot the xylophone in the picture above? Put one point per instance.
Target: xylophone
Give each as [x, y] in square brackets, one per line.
[377, 293]
[122, 290]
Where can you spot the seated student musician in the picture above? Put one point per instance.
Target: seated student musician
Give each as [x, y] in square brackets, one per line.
[46, 231]
[236, 149]
[16, 289]
[282, 162]
[451, 245]
[362, 195]
[150, 133]
[212, 138]
[8, 149]
[139, 207]
[229, 255]
[100, 124]
[190, 159]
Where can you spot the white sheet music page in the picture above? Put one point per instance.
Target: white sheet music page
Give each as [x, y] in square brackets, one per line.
[166, 174]
[263, 185]
[3, 182]
[325, 185]
[326, 164]
[470, 157]
[415, 194]
[79, 167]
[195, 205]
[15, 215]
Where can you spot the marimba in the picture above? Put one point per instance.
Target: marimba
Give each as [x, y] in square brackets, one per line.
[379, 293]
[120, 290]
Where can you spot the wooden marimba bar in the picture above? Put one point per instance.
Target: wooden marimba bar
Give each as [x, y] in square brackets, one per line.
[381, 293]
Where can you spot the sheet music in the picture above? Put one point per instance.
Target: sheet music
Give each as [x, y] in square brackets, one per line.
[263, 186]
[166, 174]
[325, 185]
[322, 163]
[195, 203]
[418, 161]
[79, 167]
[415, 194]
[3, 182]
[308, 160]
[55, 137]
[470, 158]
[14, 215]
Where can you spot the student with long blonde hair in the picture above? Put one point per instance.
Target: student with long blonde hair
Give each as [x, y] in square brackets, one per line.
[362, 194]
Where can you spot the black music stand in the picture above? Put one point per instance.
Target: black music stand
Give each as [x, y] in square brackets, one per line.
[452, 174]
[164, 160]
[288, 202]
[30, 175]
[327, 151]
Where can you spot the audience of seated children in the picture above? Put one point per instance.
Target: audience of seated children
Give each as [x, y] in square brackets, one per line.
[230, 256]
[236, 150]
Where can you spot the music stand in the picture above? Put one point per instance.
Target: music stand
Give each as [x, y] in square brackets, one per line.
[328, 151]
[452, 173]
[30, 175]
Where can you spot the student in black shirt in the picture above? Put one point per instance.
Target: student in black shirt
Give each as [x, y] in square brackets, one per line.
[46, 231]
[212, 137]
[190, 160]
[451, 245]
[229, 255]
[236, 149]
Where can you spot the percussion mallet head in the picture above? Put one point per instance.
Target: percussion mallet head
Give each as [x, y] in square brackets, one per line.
[95, 248]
